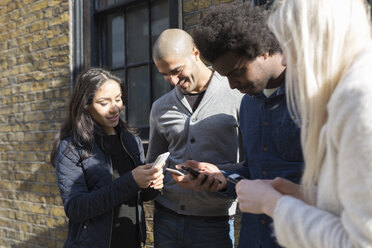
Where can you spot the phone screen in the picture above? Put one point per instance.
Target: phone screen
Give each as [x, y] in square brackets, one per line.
[191, 171]
[160, 160]
[235, 178]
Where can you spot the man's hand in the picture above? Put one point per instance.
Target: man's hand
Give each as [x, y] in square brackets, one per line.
[215, 180]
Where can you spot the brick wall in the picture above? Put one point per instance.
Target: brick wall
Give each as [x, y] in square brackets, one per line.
[34, 86]
[195, 10]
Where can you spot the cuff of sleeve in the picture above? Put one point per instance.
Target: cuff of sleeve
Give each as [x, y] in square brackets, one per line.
[229, 191]
[282, 218]
[129, 182]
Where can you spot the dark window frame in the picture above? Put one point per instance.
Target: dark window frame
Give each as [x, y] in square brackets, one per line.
[260, 2]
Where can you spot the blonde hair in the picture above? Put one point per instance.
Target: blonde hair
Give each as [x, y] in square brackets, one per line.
[320, 39]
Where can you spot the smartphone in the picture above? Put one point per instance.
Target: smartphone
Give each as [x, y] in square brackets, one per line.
[160, 160]
[195, 173]
[235, 178]
[191, 171]
[175, 171]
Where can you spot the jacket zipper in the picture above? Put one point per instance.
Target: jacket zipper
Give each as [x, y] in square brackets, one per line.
[139, 192]
[134, 162]
[139, 221]
[112, 211]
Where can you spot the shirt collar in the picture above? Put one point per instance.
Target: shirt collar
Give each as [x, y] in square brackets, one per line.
[279, 92]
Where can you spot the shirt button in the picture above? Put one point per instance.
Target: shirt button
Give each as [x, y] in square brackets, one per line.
[194, 119]
[265, 149]
[192, 140]
[266, 123]
[263, 222]
[264, 173]
[292, 117]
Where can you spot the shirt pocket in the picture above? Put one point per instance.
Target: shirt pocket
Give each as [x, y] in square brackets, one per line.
[287, 140]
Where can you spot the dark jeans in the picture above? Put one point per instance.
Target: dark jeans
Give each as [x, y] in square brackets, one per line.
[180, 231]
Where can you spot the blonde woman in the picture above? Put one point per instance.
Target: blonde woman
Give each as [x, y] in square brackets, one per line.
[328, 50]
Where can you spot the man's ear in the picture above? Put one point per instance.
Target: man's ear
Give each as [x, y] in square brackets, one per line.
[196, 53]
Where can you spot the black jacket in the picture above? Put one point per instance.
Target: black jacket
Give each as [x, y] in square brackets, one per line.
[89, 193]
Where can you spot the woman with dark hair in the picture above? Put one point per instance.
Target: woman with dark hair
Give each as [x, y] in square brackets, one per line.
[98, 162]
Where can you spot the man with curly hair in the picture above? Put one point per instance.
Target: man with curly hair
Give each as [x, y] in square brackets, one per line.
[237, 42]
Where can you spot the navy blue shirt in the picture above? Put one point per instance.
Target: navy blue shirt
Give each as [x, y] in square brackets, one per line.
[272, 148]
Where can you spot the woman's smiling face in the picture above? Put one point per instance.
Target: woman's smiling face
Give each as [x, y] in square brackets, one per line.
[107, 105]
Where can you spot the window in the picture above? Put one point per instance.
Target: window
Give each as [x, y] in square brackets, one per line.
[262, 2]
[121, 36]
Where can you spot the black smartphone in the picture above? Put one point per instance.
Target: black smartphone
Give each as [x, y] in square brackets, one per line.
[235, 178]
[194, 173]
[191, 171]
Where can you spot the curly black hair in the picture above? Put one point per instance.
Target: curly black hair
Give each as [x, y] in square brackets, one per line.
[237, 27]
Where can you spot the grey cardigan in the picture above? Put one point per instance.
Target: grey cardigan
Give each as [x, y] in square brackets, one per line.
[210, 134]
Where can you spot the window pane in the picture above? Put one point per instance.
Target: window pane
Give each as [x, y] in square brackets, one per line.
[159, 85]
[138, 96]
[120, 74]
[159, 18]
[138, 35]
[103, 3]
[115, 40]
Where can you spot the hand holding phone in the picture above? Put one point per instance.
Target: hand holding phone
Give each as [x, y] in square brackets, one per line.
[235, 178]
[160, 160]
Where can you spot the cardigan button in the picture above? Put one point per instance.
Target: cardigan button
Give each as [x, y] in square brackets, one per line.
[192, 140]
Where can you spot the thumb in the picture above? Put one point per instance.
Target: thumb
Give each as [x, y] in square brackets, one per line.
[147, 166]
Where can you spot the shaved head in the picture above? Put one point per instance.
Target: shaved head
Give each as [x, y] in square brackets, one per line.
[172, 43]
[178, 59]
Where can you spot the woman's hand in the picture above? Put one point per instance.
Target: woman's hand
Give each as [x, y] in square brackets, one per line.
[287, 187]
[146, 175]
[257, 197]
[157, 183]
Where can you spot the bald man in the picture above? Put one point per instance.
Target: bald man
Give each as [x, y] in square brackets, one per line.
[196, 120]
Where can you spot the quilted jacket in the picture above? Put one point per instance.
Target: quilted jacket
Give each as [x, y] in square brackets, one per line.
[89, 193]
